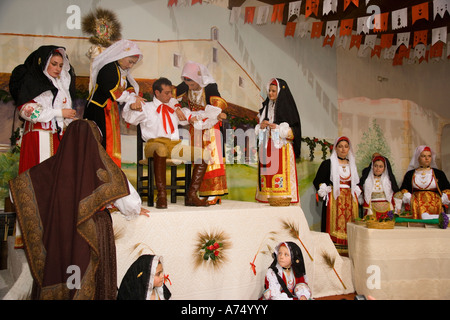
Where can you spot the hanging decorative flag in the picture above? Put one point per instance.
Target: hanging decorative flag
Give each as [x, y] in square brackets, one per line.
[294, 10]
[381, 22]
[234, 15]
[419, 11]
[440, 7]
[304, 27]
[311, 6]
[329, 6]
[342, 41]
[331, 28]
[249, 15]
[196, 1]
[347, 3]
[290, 29]
[355, 41]
[316, 31]
[386, 40]
[262, 15]
[277, 14]
[362, 25]
[419, 51]
[436, 50]
[346, 27]
[420, 37]
[370, 40]
[439, 34]
[399, 19]
[172, 2]
[376, 51]
[403, 38]
[402, 52]
[328, 40]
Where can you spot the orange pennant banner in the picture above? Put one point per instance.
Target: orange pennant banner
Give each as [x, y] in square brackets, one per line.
[277, 14]
[290, 29]
[346, 27]
[316, 30]
[249, 14]
[420, 37]
[311, 6]
[419, 11]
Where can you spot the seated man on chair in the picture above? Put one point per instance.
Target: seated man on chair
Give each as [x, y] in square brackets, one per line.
[159, 120]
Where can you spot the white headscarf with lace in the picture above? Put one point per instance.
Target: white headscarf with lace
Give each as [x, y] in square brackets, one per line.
[414, 163]
[334, 172]
[197, 72]
[385, 181]
[118, 50]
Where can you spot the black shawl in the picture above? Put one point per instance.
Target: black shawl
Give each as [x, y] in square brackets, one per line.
[286, 111]
[28, 80]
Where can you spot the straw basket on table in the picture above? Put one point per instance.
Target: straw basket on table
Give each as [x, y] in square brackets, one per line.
[279, 202]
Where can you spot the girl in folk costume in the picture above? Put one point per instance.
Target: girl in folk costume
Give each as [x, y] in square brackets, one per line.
[425, 188]
[112, 83]
[336, 183]
[279, 133]
[286, 277]
[144, 280]
[201, 94]
[379, 188]
[43, 88]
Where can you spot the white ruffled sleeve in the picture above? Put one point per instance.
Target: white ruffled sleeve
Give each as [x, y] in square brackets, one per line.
[130, 205]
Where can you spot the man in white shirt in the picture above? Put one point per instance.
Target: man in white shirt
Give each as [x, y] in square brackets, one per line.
[159, 120]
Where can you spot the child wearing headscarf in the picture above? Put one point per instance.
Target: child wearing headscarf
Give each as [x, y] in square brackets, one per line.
[286, 277]
[144, 280]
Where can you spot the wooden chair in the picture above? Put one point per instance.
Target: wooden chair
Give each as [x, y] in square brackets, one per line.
[148, 189]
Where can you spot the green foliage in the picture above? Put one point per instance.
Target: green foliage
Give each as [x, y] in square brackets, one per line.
[372, 141]
[9, 168]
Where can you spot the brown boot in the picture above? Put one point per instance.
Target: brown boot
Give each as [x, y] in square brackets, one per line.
[191, 198]
[160, 181]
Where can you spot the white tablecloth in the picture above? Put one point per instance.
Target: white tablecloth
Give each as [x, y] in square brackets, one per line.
[400, 263]
[173, 232]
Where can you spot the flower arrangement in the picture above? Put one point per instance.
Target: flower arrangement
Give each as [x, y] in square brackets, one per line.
[211, 249]
[443, 220]
[384, 221]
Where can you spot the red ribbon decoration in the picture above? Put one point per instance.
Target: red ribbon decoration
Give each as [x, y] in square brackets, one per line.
[165, 109]
[166, 278]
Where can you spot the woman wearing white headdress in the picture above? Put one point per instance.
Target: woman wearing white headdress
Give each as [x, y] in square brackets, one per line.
[379, 189]
[199, 91]
[336, 183]
[111, 83]
[425, 188]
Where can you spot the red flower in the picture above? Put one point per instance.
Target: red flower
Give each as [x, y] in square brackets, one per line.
[216, 245]
[216, 253]
[211, 247]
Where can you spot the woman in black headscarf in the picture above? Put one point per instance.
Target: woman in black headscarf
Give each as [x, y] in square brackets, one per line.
[43, 89]
[144, 280]
[279, 134]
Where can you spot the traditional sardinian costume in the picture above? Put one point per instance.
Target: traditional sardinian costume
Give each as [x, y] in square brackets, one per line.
[40, 99]
[282, 285]
[425, 190]
[137, 284]
[280, 147]
[206, 104]
[60, 205]
[111, 85]
[379, 192]
[337, 185]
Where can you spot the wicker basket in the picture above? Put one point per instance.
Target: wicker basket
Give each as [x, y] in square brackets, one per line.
[279, 202]
[381, 225]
